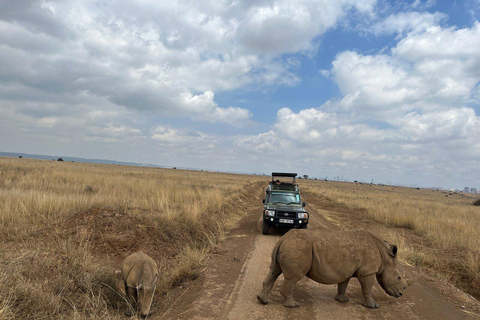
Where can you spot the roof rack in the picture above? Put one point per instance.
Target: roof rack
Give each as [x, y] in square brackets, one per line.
[283, 174]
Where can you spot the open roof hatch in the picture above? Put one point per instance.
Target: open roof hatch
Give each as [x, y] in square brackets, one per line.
[284, 174]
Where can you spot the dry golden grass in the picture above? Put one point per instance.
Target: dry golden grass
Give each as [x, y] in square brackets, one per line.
[55, 218]
[447, 225]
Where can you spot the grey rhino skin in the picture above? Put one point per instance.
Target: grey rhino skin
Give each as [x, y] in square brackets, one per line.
[140, 274]
[333, 257]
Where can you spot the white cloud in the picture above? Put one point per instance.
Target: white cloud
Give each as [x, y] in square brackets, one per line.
[460, 125]
[427, 71]
[405, 22]
[167, 57]
[289, 26]
[192, 148]
[402, 114]
[203, 107]
[440, 43]
[46, 122]
[168, 136]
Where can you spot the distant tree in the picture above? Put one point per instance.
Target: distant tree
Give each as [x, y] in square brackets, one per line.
[174, 167]
[59, 159]
[20, 157]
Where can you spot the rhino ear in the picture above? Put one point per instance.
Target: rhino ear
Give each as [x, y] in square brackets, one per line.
[393, 250]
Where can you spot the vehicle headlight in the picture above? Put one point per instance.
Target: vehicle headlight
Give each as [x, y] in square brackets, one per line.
[302, 215]
[270, 213]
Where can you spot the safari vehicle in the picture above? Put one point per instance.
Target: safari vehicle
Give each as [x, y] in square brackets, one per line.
[283, 206]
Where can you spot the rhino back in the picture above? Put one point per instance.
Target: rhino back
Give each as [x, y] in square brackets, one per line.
[339, 255]
[137, 268]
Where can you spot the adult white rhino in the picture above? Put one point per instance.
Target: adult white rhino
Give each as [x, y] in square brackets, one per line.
[333, 257]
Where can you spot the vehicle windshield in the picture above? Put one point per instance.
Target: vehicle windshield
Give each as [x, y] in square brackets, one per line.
[284, 197]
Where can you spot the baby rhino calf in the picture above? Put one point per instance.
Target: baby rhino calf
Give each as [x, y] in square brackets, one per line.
[140, 274]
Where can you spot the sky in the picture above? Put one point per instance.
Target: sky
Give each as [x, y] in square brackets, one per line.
[367, 90]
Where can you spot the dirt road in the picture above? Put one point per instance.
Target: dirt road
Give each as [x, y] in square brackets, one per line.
[234, 275]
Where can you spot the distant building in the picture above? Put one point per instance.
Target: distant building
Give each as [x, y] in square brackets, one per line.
[466, 190]
[473, 190]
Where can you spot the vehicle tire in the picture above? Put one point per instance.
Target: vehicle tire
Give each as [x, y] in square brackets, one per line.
[265, 228]
[304, 226]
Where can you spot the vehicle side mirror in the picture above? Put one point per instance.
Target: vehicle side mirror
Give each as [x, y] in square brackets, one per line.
[304, 204]
[263, 200]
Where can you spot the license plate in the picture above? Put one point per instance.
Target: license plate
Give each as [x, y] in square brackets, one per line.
[285, 221]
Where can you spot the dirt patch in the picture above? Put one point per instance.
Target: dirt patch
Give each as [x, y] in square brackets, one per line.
[117, 235]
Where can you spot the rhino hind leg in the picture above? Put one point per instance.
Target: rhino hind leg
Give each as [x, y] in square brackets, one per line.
[268, 285]
[342, 288]
[287, 292]
[367, 282]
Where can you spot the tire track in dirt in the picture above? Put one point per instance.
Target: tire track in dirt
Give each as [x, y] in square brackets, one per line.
[235, 272]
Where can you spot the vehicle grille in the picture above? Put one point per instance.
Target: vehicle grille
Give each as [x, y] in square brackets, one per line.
[283, 214]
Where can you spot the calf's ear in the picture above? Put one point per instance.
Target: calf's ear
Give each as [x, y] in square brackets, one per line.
[409, 281]
[393, 250]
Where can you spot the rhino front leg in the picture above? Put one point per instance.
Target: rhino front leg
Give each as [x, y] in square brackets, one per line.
[287, 292]
[267, 285]
[131, 294]
[342, 288]
[367, 283]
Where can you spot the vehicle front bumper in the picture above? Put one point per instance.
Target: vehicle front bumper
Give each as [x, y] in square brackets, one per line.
[275, 222]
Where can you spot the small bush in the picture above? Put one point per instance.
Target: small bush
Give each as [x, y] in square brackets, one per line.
[476, 202]
[90, 189]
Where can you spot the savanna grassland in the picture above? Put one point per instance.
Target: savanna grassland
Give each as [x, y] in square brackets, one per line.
[65, 227]
[437, 230]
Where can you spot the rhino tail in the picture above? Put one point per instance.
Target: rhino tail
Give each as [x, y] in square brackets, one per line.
[274, 266]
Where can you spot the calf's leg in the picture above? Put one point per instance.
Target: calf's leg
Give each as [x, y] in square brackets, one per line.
[131, 294]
